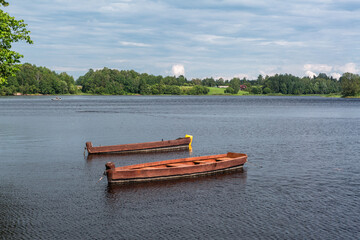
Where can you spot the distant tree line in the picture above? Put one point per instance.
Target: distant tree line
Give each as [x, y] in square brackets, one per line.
[38, 80]
[289, 84]
[112, 81]
[347, 85]
[31, 79]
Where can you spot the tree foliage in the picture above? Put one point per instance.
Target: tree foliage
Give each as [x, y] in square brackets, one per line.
[230, 90]
[289, 84]
[11, 30]
[350, 84]
[235, 85]
[112, 81]
[198, 90]
[34, 80]
[31, 80]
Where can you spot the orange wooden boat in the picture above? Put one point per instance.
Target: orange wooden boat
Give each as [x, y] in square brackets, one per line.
[179, 143]
[176, 168]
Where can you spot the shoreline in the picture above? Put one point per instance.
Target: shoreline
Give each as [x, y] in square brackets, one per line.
[214, 94]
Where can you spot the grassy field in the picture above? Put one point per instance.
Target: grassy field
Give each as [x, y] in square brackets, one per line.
[220, 91]
[216, 91]
[213, 90]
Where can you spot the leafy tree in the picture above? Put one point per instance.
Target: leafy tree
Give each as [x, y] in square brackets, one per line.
[198, 90]
[32, 80]
[322, 75]
[350, 84]
[235, 84]
[209, 82]
[256, 90]
[170, 80]
[156, 89]
[229, 90]
[172, 90]
[288, 84]
[220, 82]
[196, 81]
[267, 90]
[260, 79]
[11, 30]
[181, 80]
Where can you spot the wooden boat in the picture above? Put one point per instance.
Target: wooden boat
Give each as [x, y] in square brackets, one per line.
[176, 168]
[179, 143]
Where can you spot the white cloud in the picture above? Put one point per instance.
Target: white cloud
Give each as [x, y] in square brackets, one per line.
[349, 67]
[310, 74]
[283, 43]
[115, 7]
[318, 67]
[68, 69]
[324, 68]
[268, 73]
[211, 39]
[242, 75]
[178, 70]
[134, 44]
[336, 75]
[118, 60]
[224, 40]
[334, 71]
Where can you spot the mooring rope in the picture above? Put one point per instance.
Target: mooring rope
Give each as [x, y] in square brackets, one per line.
[104, 173]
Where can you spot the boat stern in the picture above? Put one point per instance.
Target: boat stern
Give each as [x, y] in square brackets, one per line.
[88, 146]
[191, 139]
[109, 170]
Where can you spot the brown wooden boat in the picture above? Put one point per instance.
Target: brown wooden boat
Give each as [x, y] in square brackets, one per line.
[176, 168]
[179, 143]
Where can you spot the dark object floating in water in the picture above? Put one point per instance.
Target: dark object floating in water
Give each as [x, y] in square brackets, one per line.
[176, 168]
[142, 147]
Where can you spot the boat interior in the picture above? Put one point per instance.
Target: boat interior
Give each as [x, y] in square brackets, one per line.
[185, 163]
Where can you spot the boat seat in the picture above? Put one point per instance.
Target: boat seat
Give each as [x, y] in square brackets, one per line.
[154, 167]
[183, 164]
[224, 159]
[205, 161]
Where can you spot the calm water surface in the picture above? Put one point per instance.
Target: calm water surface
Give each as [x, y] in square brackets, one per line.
[302, 180]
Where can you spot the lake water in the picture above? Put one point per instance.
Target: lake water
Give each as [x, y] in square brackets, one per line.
[302, 180]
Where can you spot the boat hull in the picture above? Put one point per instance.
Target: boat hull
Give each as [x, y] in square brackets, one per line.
[176, 168]
[180, 143]
[164, 178]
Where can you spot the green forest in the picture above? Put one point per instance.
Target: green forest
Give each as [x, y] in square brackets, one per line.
[31, 79]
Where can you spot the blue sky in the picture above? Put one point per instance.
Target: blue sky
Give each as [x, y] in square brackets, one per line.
[228, 38]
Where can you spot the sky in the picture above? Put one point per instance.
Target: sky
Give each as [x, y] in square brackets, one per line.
[197, 39]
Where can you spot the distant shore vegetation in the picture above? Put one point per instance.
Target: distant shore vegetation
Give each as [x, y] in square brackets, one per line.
[33, 80]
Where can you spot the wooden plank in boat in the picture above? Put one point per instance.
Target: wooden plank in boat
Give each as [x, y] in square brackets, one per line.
[205, 161]
[224, 159]
[182, 164]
